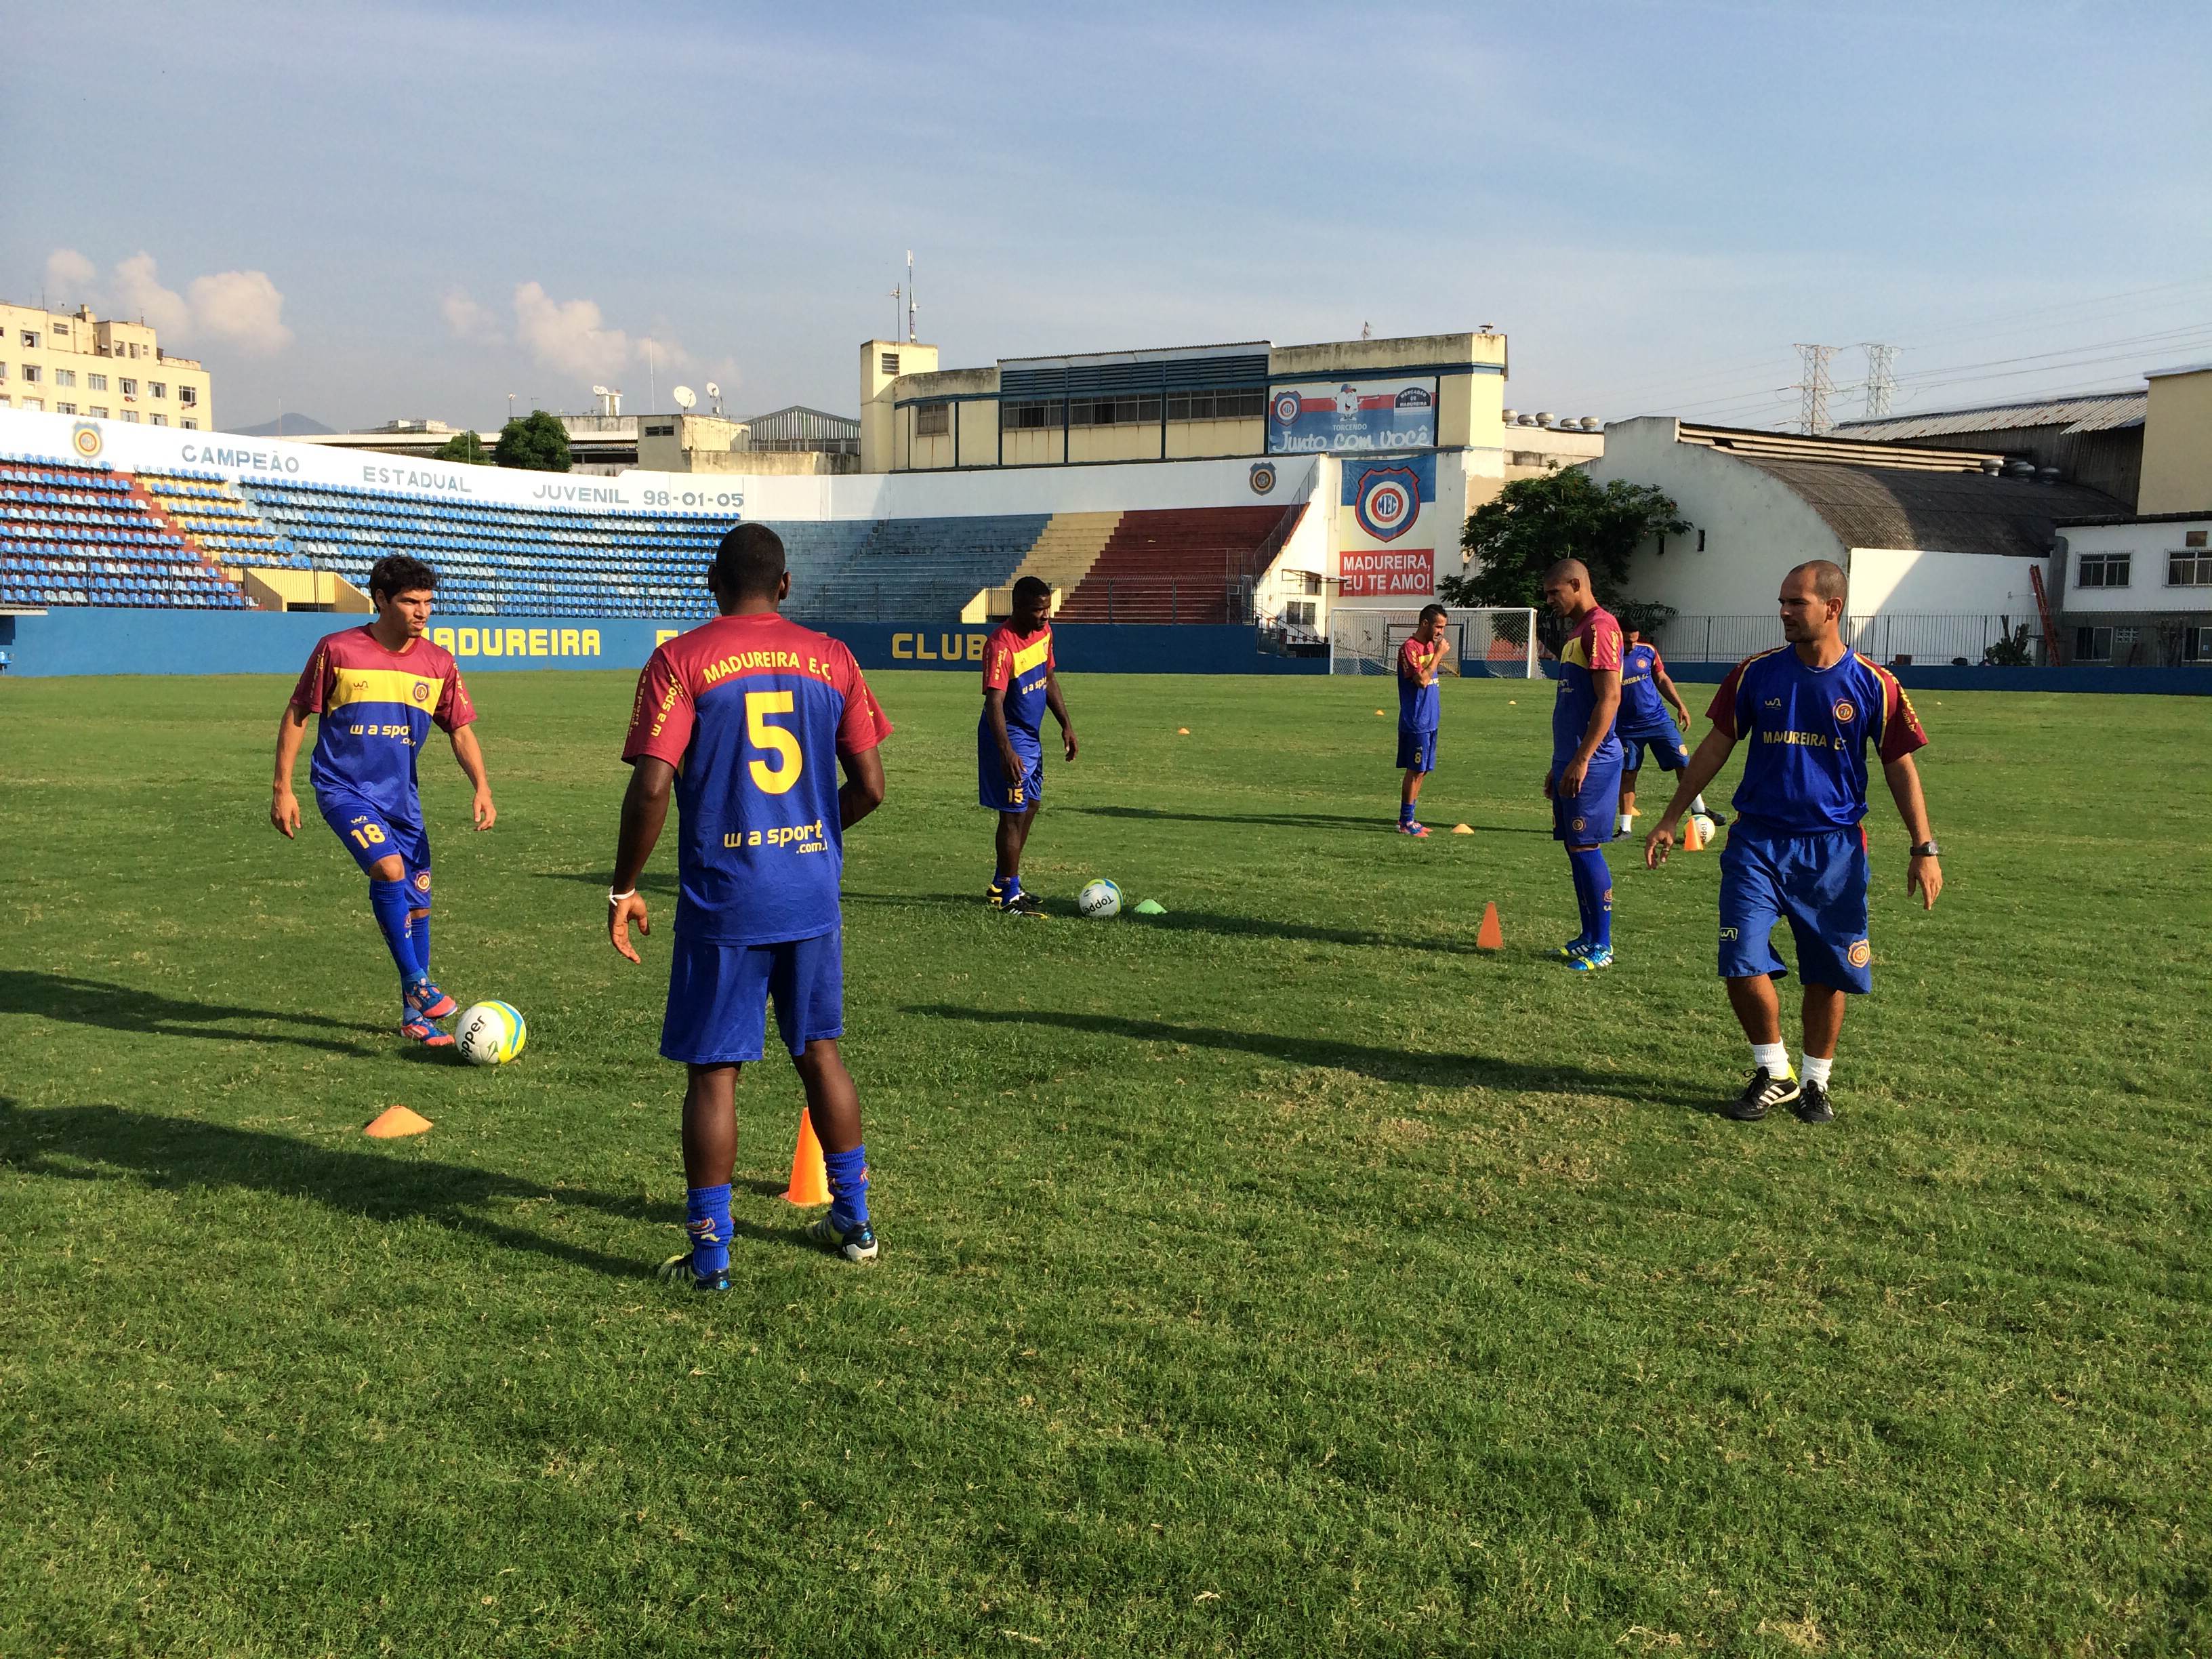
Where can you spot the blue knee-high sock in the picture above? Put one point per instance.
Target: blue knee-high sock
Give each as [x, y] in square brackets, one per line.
[391, 902]
[848, 1188]
[1597, 878]
[707, 1219]
[421, 929]
[1582, 897]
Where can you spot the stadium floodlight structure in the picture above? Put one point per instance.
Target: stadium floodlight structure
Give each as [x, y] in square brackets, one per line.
[1487, 641]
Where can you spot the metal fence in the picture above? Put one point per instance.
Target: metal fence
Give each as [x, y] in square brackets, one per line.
[1901, 638]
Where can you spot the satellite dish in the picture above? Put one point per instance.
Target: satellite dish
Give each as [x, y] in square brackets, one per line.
[598, 392]
[684, 397]
[713, 391]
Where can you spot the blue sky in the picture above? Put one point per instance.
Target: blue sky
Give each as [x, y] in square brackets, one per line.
[386, 210]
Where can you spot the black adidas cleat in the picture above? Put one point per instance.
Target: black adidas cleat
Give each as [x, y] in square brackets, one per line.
[677, 1270]
[1023, 904]
[1761, 1096]
[1813, 1104]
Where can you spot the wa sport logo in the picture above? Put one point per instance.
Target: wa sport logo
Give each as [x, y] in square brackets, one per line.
[1387, 501]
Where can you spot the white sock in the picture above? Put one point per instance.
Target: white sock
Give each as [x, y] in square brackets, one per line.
[1816, 1071]
[1698, 805]
[1774, 1056]
[1627, 824]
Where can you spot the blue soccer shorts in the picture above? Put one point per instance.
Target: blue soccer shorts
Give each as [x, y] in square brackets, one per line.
[1417, 751]
[373, 835]
[718, 997]
[1664, 741]
[1818, 883]
[1588, 817]
[994, 788]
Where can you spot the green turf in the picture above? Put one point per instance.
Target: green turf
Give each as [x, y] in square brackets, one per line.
[1281, 1276]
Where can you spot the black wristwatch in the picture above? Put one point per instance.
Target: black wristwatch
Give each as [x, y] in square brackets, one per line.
[1927, 849]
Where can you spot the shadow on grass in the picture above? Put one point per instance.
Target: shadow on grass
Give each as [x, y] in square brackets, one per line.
[1195, 921]
[1384, 1065]
[115, 1008]
[1379, 823]
[660, 883]
[179, 1154]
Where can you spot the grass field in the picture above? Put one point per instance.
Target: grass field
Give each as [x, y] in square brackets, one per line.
[1279, 1277]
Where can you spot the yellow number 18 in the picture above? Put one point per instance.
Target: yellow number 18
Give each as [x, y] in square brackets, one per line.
[772, 779]
[368, 835]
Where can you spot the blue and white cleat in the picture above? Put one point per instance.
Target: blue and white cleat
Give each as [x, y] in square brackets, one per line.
[677, 1270]
[1590, 961]
[427, 1000]
[1572, 951]
[1418, 831]
[858, 1244]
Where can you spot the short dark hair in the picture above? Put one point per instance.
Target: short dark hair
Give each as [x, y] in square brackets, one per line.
[1032, 587]
[748, 564]
[1429, 610]
[1827, 576]
[396, 573]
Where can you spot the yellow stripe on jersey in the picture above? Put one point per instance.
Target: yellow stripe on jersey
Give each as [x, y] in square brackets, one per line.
[1575, 651]
[1033, 655]
[383, 685]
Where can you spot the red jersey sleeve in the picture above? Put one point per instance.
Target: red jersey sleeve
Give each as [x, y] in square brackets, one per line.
[1723, 712]
[454, 710]
[1409, 660]
[1604, 643]
[660, 719]
[1901, 731]
[1051, 651]
[314, 681]
[863, 725]
[998, 662]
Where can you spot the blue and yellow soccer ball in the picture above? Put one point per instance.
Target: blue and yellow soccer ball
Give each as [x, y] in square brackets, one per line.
[491, 1033]
[1100, 899]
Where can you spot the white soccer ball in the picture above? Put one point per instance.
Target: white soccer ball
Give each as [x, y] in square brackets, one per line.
[1705, 827]
[1100, 899]
[491, 1033]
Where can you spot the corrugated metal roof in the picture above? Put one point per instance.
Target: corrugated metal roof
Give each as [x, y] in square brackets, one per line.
[2107, 411]
[1939, 512]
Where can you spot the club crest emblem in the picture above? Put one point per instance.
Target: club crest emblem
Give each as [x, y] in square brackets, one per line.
[1861, 953]
[1846, 713]
[1387, 501]
[421, 881]
[1579, 822]
[1287, 407]
[84, 438]
[1263, 477]
[421, 691]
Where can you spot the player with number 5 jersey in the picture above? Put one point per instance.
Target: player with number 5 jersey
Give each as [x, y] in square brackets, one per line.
[748, 720]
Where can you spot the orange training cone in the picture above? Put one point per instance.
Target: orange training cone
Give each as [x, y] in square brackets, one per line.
[393, 1122]
[809, 1176]
[1462, 829]
[1490, 936]
[1691, 841]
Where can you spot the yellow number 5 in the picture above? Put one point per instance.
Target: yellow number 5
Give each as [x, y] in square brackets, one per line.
[772, 739]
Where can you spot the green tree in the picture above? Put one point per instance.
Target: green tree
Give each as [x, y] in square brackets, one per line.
[536, 442]
[465, 447]
[1536, 522]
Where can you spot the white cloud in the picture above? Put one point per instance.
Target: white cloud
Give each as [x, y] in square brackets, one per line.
[241, 307]
[136, 291]
[569, 335]
[69, 277]
[465, 319]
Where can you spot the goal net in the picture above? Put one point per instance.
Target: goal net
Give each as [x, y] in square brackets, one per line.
[1497, 642]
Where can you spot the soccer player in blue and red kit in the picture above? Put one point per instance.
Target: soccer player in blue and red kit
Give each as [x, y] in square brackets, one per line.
[1584, 781]
[748, 719]
[1810, 712]
[377, 691]
[1643, 724]
[1419, 710]
[1019, 683]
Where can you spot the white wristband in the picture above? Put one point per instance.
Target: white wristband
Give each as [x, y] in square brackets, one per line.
[613, 897]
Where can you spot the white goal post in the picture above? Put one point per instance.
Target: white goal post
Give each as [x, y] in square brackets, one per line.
[1493, 643]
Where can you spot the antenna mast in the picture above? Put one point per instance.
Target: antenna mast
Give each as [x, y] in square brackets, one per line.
[912, 306]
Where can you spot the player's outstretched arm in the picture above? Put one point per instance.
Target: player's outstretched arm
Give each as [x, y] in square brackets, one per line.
[863, 790]
[284, 804]
[644, 811]
[472, 760]
[1923, 875]
[1705, 766]
[1051, 700]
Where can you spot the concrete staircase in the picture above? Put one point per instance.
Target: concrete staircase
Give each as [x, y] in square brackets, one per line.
[1061, 557]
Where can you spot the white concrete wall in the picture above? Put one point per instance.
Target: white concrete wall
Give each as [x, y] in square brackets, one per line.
[1904, 582]
[1755, 528]
[2146, 589]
